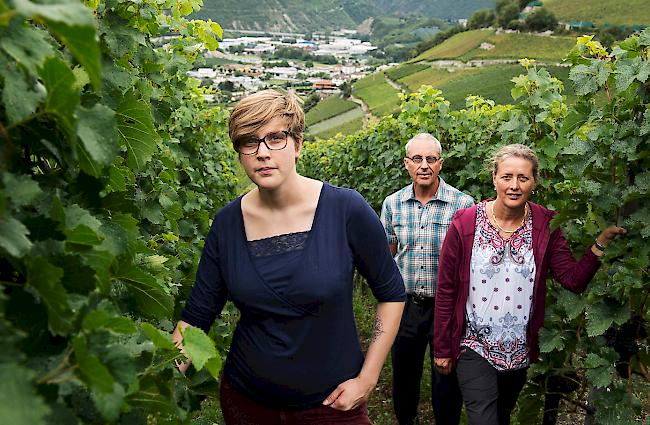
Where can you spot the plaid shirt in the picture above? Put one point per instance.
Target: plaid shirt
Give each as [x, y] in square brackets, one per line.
[419, 231]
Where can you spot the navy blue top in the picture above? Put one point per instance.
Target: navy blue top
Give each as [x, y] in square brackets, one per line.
[296, 339]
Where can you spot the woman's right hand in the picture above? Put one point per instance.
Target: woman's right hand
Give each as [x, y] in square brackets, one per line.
[443, 365]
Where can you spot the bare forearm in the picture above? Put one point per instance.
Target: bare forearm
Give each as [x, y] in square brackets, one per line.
[387, 322]
[178, 341]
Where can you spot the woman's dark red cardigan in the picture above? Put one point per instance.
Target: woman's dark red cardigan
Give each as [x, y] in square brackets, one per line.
[550, 250]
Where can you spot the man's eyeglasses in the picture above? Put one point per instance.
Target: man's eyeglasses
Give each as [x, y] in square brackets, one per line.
[418, 159]
[274, 141]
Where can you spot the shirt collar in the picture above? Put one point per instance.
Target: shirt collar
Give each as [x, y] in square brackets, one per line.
[443, 194]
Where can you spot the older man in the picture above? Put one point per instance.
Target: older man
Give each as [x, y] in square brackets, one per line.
[416, 219]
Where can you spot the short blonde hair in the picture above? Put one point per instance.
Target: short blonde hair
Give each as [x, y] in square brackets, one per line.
[254, 111]
[517, 150]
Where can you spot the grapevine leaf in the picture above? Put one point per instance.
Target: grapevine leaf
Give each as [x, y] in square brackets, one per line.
[571, 303]
[160, 339]
[550, 340]
[198, 346]
[645, 126]
[13, 237]
[214, 366]
[588, 79]
[45, 279]
[62, 96]
[629, 70]
[601, 315]
[19, 402]
[74, 25]
[97, 132]
[91, 370]
[100, 319]
[75, 215]
[82, 235]
[136, 130]
[28, 45]
[109, 404]
[601, 376]
[19, 97]
[21, 189]
[644, 37]
[151, 297]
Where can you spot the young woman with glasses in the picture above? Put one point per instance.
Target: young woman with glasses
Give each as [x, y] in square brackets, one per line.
[285, 254]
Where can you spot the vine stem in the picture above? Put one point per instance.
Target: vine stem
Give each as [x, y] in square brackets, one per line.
[50, 377]
[644, 370]
[583, 406]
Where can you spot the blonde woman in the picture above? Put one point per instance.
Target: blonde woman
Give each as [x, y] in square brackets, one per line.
[285, 254]
[492, 285]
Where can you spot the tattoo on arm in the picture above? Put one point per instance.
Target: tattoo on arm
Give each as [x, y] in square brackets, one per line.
[379, 329]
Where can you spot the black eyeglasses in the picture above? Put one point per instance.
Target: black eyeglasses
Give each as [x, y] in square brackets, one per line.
[418, 159]
[273, 141]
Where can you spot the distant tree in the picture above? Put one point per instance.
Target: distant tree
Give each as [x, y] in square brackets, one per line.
[346, 89]
[506, 11]
[309, 36]
[227, 86]
[482, 18]
[610, 35]
[327, 59]
[309, 64]
[236, 49]
[541, 19]
[301, 76]
[311, 101]
[441, 36]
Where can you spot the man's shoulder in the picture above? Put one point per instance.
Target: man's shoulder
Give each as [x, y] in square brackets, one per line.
[400, 195]
[454, 195]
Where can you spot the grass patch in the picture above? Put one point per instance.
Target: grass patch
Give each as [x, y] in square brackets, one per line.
[431, 76]
[490, 82]
[381, 97]
[455, 46]
[630, 12]
[328, 108]
[348, 127]
[398, 72]
[517, 46]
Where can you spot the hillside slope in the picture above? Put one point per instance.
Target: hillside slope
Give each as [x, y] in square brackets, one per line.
[319, 15]
[613, 12]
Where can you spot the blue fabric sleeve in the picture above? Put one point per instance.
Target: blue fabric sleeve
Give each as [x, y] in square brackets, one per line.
[209, 293]
[367, 239]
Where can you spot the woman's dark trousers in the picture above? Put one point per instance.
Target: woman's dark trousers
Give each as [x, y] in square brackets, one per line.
[489, 395]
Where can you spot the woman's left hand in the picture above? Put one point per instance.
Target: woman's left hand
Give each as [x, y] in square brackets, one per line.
[349, 394]
[609, 234]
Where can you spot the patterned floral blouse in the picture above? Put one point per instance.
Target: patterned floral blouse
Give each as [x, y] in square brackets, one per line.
[501, 291]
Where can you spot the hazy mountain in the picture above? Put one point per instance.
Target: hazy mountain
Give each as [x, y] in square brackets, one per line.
[319, 15]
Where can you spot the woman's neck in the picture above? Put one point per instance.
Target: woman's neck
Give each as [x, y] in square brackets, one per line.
[505, 213]
[289, 194]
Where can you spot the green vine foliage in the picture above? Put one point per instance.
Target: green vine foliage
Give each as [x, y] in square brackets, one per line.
[111, 168]
[594, 161]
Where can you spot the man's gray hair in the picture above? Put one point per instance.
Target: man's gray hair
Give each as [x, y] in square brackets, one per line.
[426, 136]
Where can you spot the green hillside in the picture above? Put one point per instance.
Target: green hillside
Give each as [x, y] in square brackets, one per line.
[491, 82]
[456, 46]
[381, 97]
[628, 12]
[327, 108]
[465, 46]
[517, 46]
[321, 15]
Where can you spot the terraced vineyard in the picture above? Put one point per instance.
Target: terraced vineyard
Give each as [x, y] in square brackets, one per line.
[600, 12]
[381, 97]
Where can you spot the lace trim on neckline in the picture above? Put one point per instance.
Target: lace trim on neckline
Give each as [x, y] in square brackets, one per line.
[279, 244]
